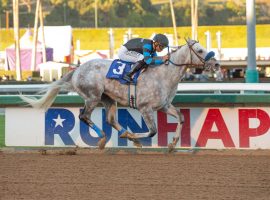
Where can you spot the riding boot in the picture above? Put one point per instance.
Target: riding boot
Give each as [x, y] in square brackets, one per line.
[136, 67]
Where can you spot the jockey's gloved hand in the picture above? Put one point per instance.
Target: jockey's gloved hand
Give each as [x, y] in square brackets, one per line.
[165, 58]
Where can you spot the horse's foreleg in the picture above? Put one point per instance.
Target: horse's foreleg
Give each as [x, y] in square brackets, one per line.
[171, 110]
[111, 107]
[148, 116]
[85, 116]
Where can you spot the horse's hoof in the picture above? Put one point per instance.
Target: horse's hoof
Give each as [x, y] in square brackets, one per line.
[126, 134]
[102, 143]
[136, 143]
[171, 148]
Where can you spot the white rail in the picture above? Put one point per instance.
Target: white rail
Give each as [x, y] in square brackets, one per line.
[241, 87]
[22, 88]
[182, 87]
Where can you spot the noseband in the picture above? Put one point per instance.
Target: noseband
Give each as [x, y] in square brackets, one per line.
[203, 60]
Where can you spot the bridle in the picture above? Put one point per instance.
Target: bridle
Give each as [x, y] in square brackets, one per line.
[190, 46]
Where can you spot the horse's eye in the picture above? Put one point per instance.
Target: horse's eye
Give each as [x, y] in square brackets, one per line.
[200, 51]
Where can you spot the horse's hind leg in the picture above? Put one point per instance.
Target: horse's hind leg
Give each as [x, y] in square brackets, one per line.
[110, 106]
[85, 116]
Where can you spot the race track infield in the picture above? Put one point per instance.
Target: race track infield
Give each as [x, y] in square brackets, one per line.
[123, 175]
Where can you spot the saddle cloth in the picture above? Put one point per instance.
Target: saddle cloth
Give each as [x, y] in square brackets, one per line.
[119, 68]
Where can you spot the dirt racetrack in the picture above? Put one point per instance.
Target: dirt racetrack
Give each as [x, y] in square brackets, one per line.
[126, 175]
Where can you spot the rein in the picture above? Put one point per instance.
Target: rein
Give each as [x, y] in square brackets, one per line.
[188, 64]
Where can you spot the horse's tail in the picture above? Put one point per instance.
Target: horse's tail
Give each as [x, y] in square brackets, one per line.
[51, 92]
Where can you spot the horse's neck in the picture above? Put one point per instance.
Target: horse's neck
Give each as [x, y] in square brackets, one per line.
[181, 56]
[173, 73]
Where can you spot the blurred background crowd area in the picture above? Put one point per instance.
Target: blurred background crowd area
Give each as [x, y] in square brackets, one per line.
[100, 27]
[135, 13]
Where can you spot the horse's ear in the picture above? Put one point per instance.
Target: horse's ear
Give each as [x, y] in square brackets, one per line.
[186, 40]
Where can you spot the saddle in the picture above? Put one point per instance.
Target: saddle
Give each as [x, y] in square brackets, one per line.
[119, 68]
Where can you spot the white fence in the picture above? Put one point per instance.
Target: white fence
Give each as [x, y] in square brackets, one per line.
[223, 87]
[182, 87]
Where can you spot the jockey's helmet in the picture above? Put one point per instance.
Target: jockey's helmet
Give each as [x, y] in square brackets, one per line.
[161, 39]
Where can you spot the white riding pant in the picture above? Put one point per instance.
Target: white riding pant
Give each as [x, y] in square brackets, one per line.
[129, 56]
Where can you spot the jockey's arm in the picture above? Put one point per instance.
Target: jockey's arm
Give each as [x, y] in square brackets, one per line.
[151, 59]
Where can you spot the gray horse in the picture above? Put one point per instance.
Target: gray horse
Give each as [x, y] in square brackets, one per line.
[156, 88]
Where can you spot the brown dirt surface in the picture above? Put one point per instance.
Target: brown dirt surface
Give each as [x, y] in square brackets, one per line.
[127, 175]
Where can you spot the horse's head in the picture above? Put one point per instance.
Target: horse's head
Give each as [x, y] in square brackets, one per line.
[200, 57]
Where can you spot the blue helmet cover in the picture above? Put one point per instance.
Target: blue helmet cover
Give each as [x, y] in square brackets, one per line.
[210, 54]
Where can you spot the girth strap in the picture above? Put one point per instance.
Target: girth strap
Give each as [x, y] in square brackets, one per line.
[132, 96]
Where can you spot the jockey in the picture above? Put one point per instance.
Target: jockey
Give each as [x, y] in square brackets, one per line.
[142, 52]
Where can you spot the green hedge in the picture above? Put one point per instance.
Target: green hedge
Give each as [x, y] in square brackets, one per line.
[91, 38]
[221, 100]
[2, 130]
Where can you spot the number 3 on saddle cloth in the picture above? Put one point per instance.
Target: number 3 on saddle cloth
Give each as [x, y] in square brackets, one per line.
[119, 68]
